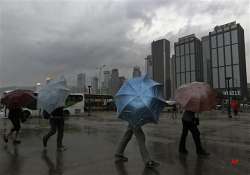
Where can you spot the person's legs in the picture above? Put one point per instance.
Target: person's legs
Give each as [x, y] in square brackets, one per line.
[16, 127]
[124, 141]
[182, 145]
[53, 126]
[196, 136]
[140, 137]
[60, 131]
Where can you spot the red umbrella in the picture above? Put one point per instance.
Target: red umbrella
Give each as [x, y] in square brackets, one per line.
[196, 97]
[18, 98]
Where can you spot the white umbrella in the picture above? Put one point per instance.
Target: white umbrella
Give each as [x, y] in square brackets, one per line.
[53, 95]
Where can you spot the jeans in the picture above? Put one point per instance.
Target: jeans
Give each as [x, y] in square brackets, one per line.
[140, 137]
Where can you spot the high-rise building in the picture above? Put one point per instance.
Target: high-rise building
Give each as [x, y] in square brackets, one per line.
[227, 57]
[115, 81]
[149, 66]
[161, 65]
[173, 77]
[188, 60]
[94, 84]
[81, 82]
[121, 81]
[106, 83]
[136, 72]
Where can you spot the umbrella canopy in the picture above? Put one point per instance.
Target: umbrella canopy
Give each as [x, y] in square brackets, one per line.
[196, 97]
[53, 95]
[18, 98]
[139, 101]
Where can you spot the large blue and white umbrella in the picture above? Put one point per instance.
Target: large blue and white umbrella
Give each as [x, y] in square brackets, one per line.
[140, 101]
[53, 95]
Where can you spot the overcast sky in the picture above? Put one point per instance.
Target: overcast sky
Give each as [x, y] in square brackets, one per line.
[40, 38]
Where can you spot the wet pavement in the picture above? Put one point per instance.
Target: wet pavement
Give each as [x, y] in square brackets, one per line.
[92, 140]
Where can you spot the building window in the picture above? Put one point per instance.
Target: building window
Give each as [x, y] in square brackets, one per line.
[227, 38]
[229, 74]
[215, 78]
[221, 56]
[182, 49]
[188, 77]
[192, 62]
[177, 50]
[187, 48]
[187, 58]
[193, 77]
[178, 64]
[234, 36]
[236, 76]
[192, 47]
[178, 80]
[228, 55]
[183, 78]
[214, 58]
[235, 54]
[222, 77]
[214, 41]
[182, 64]
[220, 40]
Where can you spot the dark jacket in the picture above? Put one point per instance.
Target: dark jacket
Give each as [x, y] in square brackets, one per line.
[15, 113]
[57, 113]
[188, 116]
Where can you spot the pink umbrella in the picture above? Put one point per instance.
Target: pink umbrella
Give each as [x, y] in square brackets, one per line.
[196, 97]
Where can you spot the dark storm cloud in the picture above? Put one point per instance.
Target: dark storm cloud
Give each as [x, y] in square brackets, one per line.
[40, 38]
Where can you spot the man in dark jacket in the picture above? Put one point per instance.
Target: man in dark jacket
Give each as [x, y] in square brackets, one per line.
[190, 123]
[56, 124]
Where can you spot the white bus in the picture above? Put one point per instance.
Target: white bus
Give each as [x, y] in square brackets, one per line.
[74, 105]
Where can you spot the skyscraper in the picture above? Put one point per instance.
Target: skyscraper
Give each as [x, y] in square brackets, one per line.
[227, 57]
[81, 82]
[188, 60]
[149, 66]
[94, 84]
[107, 82]
[115, 81]
[161, 64]
[136, 71]
[173, 76]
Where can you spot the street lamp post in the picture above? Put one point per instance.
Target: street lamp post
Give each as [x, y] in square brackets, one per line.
[89, 101]
[228, 97]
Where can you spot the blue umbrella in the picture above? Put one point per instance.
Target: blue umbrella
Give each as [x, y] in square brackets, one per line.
[140, 101]
[53, 95]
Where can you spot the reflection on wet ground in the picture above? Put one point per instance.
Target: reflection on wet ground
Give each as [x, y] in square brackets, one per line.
[92, 141]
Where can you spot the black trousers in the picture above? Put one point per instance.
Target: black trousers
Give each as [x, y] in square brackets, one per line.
[192, 127]
[16, 124]
[56, 124]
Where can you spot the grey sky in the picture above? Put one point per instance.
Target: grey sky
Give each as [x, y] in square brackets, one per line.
[40, 38]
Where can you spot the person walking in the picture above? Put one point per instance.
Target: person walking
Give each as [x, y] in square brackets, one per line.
[235, 106]
[190, 123]
[15, 113]
[140, 137]
[56, 120]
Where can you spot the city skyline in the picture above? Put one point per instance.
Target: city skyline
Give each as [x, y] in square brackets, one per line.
[36, 43]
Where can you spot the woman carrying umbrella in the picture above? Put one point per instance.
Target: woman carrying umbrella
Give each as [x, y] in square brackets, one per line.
[194, 97]
[14, 101]
[51, 99]
[138, 101]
